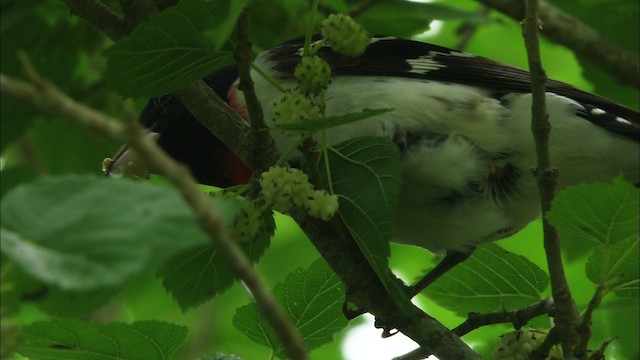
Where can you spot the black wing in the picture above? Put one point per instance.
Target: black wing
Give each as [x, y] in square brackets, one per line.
[389, 56]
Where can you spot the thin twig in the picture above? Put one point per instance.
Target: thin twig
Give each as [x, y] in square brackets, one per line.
[585, 326]
[137, 11]
[50, 99]
[360, 8]
[101, 16]
[468, 29]
[518, 317]
[599, 354]
[567, 318]
[263, 147]
[622, 64]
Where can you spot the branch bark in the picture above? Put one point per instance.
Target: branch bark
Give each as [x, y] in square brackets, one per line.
[518, 317]
[567, 317]
[587, 43]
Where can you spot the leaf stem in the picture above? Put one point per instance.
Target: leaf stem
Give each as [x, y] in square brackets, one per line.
[325, 155]
[269, 79]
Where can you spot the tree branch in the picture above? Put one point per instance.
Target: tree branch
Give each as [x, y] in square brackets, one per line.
[622, 64]
[567, 317]
[518, 317]
[50, 99]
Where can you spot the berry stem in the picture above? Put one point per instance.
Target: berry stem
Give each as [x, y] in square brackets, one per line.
[311, 25]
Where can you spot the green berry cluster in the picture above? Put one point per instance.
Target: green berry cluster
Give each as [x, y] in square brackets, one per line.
[287, 188]
[344, 35]
[519, 344]
[247, 225]
[294, 107]
[322, 205]
[313, 74]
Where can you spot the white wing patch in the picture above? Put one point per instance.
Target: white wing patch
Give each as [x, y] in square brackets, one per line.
[424, 64]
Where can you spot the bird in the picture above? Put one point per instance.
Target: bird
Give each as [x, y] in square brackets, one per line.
[462, 125]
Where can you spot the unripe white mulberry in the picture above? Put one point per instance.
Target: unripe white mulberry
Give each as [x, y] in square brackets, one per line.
[294, 107]
[285, 188]
[313, 74]
[322, 205]
[518, 345]
[344, 35]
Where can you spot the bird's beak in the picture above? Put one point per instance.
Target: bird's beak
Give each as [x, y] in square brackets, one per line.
[127, 162]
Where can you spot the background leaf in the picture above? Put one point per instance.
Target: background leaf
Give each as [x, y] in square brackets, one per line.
[65, 339]
[85, 232]
[617, 267]
[313, 300]
[406, 18]
[587, 215]
[176, 47]
[492, 279]
[197, 274]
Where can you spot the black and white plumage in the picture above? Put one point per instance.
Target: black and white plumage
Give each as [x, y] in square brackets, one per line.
[462, 123]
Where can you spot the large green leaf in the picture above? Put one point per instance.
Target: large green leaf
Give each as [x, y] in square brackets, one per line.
[86, 232]
[313, 300]
[74, 339]
[616, 267]
[197, 274]
[365, 174]
[588, 215]
[492, 279]
[176, 47]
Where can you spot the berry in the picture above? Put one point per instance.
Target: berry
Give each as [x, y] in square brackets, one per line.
[284, 188]
[344, 35]
[313, 74]
[322, 205]
[294, 107]
[518, 345]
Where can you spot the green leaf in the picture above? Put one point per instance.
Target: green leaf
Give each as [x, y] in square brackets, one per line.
[198, 274]
[176, 47]
[616, 267]
[313, 300]
[365, 174]
[331, 121]
[588, 215]
[492, 279]
[406, 19]
[74, 303]
[74, 339]
[86, 232]
[221, 356]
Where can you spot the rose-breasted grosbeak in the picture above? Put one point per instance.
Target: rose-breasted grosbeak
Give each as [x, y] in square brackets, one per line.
[461, 122]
